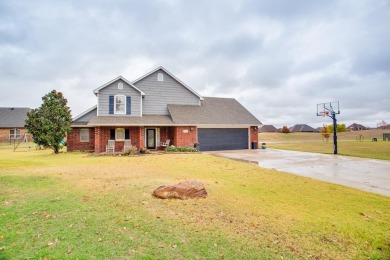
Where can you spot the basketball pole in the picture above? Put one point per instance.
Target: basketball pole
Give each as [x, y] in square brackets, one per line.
[334, 132]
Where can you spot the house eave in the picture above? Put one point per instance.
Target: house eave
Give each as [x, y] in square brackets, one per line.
[84, 113]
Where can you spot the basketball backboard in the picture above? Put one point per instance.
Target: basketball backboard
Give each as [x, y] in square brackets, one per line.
[327, 109]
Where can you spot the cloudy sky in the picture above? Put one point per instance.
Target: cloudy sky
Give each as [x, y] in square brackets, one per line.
[278, 58]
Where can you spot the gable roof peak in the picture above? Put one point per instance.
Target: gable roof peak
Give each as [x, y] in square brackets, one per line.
[170, 74]
[96, 91]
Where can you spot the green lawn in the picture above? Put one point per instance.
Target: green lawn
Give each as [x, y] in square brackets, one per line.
[347, 143]
[75, 205]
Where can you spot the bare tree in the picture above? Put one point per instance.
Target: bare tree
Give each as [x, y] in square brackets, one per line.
[381, 124]
[325, 133]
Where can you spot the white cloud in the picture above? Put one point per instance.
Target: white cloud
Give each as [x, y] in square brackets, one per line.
[278, 58]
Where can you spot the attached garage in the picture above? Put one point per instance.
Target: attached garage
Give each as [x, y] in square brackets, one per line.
[216, 139]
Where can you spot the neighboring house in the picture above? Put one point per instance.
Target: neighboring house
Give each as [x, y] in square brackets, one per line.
[268, 129]
[384, 127]
[303, 128]
[12, 121]
[357, 127]
[157, 107]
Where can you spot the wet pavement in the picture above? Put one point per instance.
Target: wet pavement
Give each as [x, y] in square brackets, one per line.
[361, 173]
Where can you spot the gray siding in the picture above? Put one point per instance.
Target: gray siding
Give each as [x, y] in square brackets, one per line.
[112, 90]
[87, 117]
[158, 94]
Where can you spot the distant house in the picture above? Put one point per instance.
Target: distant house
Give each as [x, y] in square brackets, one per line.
[384, 127]
[12, 121]
[357, 127]
[268, 129]
[303, 128]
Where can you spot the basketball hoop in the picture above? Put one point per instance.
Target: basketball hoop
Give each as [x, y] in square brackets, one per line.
[324, 113]
[330, 109]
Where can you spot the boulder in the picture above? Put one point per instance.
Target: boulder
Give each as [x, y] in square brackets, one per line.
[184, 190]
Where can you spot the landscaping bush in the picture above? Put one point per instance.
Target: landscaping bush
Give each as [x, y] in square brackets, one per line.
[131, 151]
[173, 148]
[340, 128]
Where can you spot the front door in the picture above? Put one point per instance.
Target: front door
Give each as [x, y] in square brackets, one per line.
[150, 138]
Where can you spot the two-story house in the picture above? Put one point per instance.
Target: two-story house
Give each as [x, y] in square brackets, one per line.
[157, 107]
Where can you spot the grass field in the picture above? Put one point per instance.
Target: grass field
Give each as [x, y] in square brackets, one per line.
[347, 143]
[75, 205]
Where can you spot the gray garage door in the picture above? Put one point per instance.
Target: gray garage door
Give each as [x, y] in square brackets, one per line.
[215, 139]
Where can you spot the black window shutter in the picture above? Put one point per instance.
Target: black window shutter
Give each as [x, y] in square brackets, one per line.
[112, 134]
[127, 134]
[128, 105]
[111, 105]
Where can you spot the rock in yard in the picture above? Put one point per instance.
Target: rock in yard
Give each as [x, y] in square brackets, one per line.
[184, 190]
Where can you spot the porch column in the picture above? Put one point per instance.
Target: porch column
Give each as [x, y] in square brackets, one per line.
[97, 139]
[174, 132]
[141, 137]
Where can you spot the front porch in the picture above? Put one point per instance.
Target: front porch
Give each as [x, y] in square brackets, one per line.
[149, 137]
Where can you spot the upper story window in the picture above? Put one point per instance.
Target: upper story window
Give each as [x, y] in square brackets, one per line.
[120, 104]
[120, 85]
[160, 77]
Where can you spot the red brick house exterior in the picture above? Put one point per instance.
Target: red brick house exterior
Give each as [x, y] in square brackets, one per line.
[12, 121]
[158, 107]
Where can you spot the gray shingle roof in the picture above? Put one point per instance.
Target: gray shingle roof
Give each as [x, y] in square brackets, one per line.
[357, 126]
[302, 128]
[268, 128]
[213, 111]
[154, 120]
[13, 117]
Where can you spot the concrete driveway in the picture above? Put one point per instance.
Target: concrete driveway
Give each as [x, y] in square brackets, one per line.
[365, 174]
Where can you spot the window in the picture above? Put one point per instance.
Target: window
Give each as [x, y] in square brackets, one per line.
[119, 134]
[120, 104]
[120, 85]
[84, 135]
[160, 77]
[14, 133]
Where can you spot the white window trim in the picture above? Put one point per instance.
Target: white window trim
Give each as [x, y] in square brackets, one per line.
[120, 85]
[14, 135]
[119, 113]
[160, 77]
[81, 140]
[116, 134]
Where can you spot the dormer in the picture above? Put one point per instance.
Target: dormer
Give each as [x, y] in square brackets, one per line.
[119, 97]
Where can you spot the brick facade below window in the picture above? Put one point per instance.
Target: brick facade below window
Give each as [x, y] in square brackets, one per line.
[4, 135]
[74, 144]
[185, 136]
[102, 135]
